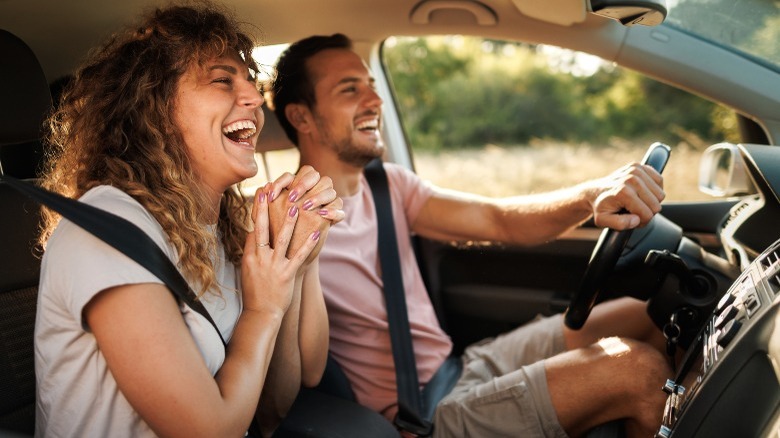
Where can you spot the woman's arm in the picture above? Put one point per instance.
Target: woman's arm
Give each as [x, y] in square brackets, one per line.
[303, 338]
[313, 330]
[156, 363]
[283, 379]
[160, 371]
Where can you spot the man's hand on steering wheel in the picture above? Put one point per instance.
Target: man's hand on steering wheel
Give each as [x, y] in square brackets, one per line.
[634, 199]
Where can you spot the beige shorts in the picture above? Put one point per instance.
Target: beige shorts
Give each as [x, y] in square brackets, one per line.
[503, 389]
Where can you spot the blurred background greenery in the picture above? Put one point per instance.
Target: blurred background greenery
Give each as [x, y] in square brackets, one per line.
[456, 92]
[503, 118]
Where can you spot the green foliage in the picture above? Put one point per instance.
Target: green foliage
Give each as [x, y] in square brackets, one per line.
[457, 92]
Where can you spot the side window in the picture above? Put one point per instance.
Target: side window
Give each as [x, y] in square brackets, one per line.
[502, 118]
[271, 159]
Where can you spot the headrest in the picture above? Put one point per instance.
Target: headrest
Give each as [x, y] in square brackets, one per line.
[272, 136]
[25, 101]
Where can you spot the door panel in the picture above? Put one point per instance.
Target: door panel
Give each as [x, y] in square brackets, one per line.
[482, 290]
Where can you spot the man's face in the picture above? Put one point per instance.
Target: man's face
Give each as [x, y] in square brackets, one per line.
[348, 109]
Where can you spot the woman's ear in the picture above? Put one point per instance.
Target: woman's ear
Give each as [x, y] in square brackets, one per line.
[297, 114]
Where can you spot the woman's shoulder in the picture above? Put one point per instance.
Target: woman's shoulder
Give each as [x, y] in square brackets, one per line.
[118, 202]
[111, 199]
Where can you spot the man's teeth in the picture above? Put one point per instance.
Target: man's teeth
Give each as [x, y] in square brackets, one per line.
[240, 130]
[368, 124]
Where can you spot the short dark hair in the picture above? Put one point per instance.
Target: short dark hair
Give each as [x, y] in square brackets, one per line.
[292, 82]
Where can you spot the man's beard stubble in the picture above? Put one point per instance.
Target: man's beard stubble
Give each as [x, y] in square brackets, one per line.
[356, 156]
[350, 153]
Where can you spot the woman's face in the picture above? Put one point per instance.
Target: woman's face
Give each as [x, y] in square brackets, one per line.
[218, 114]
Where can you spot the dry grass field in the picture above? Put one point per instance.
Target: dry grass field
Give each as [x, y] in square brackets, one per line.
[539, 167]
[544, 166]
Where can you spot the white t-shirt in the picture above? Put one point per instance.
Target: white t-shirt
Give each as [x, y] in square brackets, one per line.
[76, 394]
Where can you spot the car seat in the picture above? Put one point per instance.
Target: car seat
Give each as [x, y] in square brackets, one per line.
[24, 103]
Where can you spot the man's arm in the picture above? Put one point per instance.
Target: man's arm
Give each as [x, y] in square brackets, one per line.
[535, 219]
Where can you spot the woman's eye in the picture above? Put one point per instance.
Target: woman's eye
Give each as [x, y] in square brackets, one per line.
[224, 80]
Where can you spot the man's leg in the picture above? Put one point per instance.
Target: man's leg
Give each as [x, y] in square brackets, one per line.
[507, 380]
[503, 389]
[623, 317]
[612, 379]
[617, 362]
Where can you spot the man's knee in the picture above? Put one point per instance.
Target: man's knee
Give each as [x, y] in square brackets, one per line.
[638, 368]
[610, 379]
[642, 357]
[642, 373]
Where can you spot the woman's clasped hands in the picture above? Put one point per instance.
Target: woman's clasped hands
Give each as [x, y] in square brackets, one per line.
[291, 218]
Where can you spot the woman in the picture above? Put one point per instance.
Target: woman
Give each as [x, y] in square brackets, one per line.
[158, 127]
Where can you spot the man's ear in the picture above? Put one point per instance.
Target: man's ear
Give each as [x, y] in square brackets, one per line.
[298, 114]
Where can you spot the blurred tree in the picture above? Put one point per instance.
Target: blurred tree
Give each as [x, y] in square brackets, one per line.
[457, 92]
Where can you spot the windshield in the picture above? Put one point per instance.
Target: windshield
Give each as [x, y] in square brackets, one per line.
[750, 27]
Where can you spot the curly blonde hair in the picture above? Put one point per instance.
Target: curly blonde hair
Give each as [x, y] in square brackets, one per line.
[115, 126]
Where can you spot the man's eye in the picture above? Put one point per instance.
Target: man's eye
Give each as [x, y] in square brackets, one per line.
[224, 80]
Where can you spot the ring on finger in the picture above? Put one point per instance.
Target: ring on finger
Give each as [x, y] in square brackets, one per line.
[260, 245]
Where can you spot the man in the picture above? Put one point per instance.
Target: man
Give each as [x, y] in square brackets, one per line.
[539, 380]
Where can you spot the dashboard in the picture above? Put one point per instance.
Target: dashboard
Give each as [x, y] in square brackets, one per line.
[728, 383]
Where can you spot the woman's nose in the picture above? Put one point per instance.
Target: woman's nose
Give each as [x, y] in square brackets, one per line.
[250, 96]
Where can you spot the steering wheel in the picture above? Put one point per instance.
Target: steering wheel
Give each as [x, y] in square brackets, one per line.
[605, 255]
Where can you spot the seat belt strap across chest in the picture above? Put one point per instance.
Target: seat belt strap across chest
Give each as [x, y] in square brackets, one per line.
[409, 417]
[122, 235]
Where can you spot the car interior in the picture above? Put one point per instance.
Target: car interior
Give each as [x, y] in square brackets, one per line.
[709, 270]
[25, 102]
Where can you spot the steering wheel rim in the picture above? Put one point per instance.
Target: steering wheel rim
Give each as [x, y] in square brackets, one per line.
[606, 254]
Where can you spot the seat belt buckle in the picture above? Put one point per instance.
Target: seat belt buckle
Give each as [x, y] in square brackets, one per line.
[418, 428]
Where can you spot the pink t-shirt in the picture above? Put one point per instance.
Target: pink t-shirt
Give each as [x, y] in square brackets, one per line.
[352, 285]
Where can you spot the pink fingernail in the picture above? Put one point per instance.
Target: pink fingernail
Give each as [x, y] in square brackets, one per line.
[315, 235]
[323, 212]
[262, 197]
[308, 204]
[293, 196]
[293, 211]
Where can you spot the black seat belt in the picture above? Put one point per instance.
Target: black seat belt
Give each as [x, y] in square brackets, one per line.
[409, 417]
[122, 235]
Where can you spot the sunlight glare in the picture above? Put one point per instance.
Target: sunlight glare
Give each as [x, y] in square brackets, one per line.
[266, 57]
[569, 61]
[613, 346]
